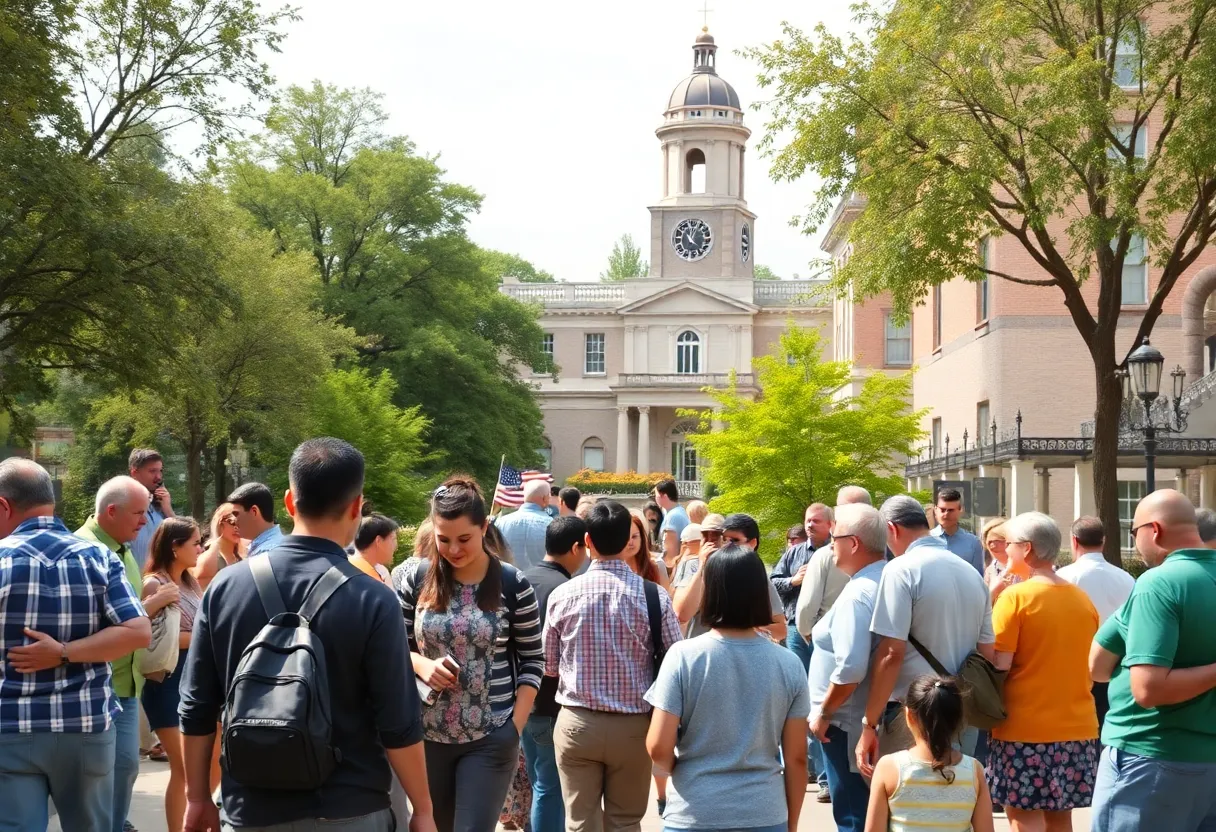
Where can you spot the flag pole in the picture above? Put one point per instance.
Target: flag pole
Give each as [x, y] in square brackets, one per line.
[497, 481]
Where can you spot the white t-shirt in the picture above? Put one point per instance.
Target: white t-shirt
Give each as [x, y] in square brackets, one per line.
[940, 599]
[1106, 584]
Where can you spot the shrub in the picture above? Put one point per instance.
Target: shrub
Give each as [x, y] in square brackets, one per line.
[608, 482]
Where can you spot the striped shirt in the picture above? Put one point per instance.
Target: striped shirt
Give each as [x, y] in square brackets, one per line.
[598, 641]
[923, 798]
[497, 652]
[69, 588]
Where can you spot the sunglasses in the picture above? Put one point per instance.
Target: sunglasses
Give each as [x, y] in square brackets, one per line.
[711, 534]
[229, 520]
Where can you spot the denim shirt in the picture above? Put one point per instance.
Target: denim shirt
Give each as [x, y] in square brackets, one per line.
[266, 541]
[964, 544]
[143, 541]
[524, 530]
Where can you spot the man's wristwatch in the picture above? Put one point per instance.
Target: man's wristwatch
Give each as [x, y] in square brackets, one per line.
[865, 723]
[63, 658]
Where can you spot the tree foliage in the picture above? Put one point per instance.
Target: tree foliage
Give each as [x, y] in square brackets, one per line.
[625, 261]
[1009, 118]
[250, 371]
[499, 264]
[802, 440]
[94, 249]
[387, 232]
[762, 272]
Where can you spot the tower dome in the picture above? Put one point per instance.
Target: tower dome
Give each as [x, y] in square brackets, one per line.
[704, 88]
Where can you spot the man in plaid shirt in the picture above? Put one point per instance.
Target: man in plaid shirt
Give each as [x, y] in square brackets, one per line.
[598, 644]
[66, 610]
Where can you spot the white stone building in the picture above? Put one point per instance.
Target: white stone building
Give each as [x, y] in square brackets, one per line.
[632, 354]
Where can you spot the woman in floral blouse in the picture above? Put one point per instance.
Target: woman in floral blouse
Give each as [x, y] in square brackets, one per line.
[474, 632]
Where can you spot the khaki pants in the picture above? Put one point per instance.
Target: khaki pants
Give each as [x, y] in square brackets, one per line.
[602, 761]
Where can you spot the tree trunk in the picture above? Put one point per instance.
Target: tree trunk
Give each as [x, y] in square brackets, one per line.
[1106, 452]
[219, 473]
[194, 475]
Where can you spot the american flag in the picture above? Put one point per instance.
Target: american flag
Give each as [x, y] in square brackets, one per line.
[510, 490]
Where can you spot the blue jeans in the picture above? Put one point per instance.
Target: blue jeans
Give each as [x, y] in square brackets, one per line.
[126, 758]
[801, 648]
[74, 770]
[1137, 794]
[548, 811]
[850, 794]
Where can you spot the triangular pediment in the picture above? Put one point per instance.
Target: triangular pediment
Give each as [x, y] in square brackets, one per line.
[687, 298]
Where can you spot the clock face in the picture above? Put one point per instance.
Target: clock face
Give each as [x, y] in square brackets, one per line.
[692, 239]
[745, 242]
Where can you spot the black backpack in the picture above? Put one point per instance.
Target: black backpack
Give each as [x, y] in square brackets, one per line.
[277, 730]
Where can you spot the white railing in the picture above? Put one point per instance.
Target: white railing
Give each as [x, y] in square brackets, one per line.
[568, 293]
[682, 379]
[788, 292]
[690, 489]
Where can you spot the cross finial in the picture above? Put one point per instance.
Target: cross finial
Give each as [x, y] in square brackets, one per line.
[705, 10]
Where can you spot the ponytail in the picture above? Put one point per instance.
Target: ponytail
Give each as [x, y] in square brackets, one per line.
[937, 704]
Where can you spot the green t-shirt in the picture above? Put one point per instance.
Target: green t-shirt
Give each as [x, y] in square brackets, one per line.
[1167, 622]
[124, 674]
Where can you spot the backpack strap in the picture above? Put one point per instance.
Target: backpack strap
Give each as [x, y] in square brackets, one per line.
[268, 587]
[323, 590]
[655, 613]
[938, 667]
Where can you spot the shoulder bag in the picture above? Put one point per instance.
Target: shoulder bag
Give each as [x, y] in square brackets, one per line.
[983, 686]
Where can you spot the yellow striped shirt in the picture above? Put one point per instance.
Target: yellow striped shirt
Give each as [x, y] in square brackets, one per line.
[923, 799]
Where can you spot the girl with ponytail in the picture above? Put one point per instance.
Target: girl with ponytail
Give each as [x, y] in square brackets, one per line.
[930, 784]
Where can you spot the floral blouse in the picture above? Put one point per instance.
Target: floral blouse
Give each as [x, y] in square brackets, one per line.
[497, 651]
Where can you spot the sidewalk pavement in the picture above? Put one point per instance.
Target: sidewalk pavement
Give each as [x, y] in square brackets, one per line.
[148, 808]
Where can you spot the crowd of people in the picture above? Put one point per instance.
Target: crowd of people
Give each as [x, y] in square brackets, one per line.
[552, 668]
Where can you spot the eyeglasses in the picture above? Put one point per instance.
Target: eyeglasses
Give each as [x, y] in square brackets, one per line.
[836, 537]
[711, 534]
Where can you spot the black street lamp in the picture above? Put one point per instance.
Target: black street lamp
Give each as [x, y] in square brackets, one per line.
[1142, 379]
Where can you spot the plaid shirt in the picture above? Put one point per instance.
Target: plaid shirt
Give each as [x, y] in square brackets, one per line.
[597, 639]
[69, 588]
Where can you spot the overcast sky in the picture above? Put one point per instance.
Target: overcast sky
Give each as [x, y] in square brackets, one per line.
[549, 108]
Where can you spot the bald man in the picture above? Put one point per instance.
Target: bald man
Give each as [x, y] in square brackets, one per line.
[524, 529]
[851, 494]
[1158, 767]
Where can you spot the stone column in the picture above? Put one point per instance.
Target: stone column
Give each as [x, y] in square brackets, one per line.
[1021, 487]
[622, 439]
[1083, 489]
[1207, 486]
[1042, 499]
[1182, 481]
[643, 439]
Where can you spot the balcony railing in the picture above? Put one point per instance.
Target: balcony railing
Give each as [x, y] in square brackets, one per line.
[696, 380]
[567, 293]
[788, 292]
[765, 293]
[690, 489]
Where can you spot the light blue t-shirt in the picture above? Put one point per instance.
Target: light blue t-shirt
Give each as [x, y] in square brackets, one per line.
[674, 521]
[964, 544]
[729, 779]
[843, 647]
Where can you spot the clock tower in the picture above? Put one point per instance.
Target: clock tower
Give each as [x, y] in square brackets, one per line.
[701, 228]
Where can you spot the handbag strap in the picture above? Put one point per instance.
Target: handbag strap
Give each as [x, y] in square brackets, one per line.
[929, 657]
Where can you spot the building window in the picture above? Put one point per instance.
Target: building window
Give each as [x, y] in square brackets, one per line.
[684, 463]
[593, 361]
[694, 171]
[1129, 51]
[593, 454]
[688, 352]
[1135, 273]
[1123, 132]
[936, 437]
[898, 341]
[545, 452]
[1131, 492]
[546, 346]
[983, 424]
[984, 287]
[937, 317]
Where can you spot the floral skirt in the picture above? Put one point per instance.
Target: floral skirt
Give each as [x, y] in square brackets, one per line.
[1047, 776]
[518, 806]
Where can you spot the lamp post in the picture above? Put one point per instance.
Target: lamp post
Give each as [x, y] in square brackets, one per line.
[1142, 379]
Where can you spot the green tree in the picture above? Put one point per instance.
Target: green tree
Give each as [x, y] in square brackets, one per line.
[91, 245]
[762, 272]
[388, 235]
[626, 261]
[1017, 119]
[802, 440]
[252, 370]
[500, 265]
[357, 406]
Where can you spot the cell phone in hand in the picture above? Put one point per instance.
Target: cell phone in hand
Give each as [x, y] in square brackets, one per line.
[450, 664]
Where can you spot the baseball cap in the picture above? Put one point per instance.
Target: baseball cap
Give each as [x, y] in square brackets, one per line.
[691, 532]
[713, 523]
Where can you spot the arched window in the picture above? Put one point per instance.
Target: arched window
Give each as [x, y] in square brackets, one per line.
[545, 451]
[593, 454]
[685, 467]
[688, 352]
[694, 171]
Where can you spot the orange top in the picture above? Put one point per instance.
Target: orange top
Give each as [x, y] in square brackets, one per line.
[368, 568]
[1048, 628]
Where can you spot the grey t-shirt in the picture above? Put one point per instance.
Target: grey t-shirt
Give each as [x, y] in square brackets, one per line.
[940, 599]
[687, 570]
[729, 779]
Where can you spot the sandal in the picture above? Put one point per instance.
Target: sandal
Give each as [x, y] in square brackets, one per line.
[157, 754]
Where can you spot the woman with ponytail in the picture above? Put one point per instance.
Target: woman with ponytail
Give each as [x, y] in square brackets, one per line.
[474, 634]
[930, 784]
